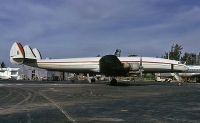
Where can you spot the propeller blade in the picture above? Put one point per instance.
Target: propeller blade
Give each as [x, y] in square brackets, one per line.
[141, 68]
[141, 61]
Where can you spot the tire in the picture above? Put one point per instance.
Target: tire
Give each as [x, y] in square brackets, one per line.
[93, 80]
[113, 82]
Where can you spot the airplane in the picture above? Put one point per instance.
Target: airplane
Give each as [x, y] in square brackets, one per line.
[4, 77]
[108, 65]
[193, 71]
[9, 73]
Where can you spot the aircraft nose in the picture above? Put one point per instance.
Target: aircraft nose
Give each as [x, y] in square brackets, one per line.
[182, 67]
[185, 68]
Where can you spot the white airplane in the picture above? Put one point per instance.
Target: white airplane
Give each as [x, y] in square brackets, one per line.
[9, 73]
[108, 65]
[4, 77]
[193, 71]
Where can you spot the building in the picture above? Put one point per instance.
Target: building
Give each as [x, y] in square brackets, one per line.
[9, 73]
[32, 73]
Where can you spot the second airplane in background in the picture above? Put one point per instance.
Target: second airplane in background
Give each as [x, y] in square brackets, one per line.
[108, 65]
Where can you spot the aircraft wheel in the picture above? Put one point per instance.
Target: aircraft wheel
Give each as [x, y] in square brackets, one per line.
[113, 82]
[72, 80]
[93, 80]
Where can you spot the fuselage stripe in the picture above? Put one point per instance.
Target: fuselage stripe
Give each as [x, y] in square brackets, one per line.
[21, 49]
[89, 62]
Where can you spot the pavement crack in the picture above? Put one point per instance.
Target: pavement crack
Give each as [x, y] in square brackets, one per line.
[66, 114]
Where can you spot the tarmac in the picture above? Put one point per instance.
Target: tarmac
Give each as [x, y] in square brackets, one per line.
[78, 102]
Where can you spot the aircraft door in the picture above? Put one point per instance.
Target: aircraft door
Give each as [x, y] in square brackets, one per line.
[172, 67]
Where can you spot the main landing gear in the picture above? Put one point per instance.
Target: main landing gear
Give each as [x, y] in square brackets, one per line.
[113, 81]
[93, 80]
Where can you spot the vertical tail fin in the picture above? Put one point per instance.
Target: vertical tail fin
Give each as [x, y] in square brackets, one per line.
[17, 53]
[29, 52]
[37, 54]
[20, 54]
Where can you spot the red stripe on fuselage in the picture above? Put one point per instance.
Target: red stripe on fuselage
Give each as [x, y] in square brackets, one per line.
[98, 62]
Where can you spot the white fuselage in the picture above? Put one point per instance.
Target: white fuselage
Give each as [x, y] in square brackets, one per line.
[193, 70]
[91, 64]
[4, 77]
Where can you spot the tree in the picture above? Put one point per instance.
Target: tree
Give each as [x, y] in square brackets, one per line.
[198, 59]
[132, 55]
[174, 53]
[3, 65]
[189, 58]
[118, 52]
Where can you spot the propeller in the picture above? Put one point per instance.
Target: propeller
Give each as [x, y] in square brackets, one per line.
[141, 69]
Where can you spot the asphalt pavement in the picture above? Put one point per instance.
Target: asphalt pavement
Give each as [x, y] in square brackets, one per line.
[65, 102]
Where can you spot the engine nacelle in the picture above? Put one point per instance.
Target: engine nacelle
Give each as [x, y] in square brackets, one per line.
[126, 66]
[131, 67]
[135, 67]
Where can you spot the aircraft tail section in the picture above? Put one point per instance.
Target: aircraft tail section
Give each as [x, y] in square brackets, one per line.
[29, 52]
[20, 54]
[37, 54]
[17, 53]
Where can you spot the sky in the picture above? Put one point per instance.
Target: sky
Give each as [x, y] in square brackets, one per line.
[86, 28]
